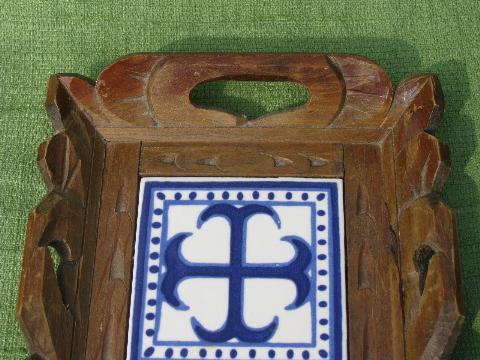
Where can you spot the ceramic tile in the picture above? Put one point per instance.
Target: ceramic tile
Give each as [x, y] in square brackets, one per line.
[238, 268]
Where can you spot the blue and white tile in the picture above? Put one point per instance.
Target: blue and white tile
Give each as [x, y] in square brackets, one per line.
[273, 288]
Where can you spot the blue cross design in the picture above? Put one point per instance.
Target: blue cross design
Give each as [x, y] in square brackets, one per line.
[177, 269]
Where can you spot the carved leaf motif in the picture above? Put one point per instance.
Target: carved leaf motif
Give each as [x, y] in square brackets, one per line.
[417, 107]
[422, 168]
[281, 161]
[315, 160]
[60, 167]
[209, 161]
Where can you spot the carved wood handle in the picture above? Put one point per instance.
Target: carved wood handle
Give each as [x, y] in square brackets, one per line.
[154, 89]
[178, 75]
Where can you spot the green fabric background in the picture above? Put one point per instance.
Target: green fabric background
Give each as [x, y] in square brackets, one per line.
[39, 38]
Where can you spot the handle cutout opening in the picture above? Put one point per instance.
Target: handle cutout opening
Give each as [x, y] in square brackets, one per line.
[249, 99]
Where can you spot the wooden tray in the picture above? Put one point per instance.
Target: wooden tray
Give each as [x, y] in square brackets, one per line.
[402, 274]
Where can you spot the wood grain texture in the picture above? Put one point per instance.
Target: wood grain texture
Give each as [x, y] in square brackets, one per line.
[403, 285]
[374, 298]
[232, 160]
[294, 136]
[107, 325]
[88, 253]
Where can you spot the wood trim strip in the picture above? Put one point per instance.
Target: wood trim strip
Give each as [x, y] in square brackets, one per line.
[292, 136]
[322, 160]
[373, 276]
[107, 327]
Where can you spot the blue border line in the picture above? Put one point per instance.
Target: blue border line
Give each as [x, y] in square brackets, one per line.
[337, 279]
[139, 285]
[313, 268]
[335, 307]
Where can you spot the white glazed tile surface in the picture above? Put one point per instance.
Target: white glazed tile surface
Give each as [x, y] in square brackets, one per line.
[308, 210]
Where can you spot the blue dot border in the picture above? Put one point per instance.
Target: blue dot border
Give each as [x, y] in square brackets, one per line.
[270, 196]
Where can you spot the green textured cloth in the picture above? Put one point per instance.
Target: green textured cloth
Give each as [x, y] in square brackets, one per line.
[39, 38]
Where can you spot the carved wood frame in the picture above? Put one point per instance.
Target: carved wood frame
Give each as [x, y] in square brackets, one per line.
[404, 298]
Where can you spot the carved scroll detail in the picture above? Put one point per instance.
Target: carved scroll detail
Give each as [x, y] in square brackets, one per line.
[368, 92]
[432, 300]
